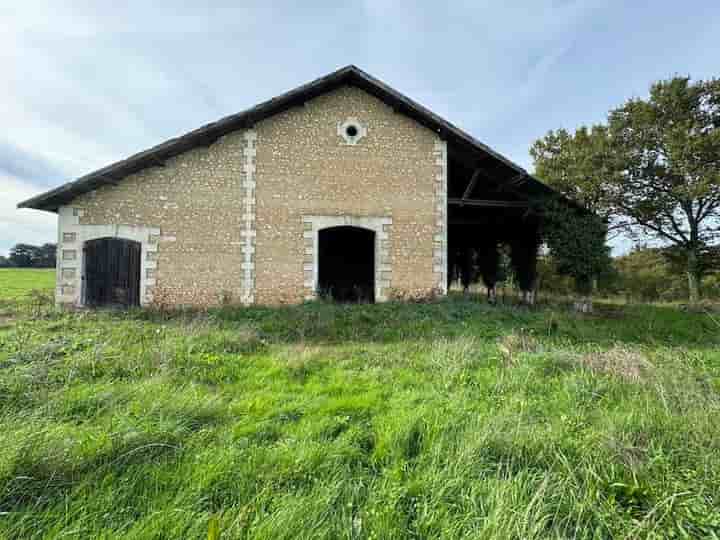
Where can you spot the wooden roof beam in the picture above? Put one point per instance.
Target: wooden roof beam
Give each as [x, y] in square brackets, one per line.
[471, 184]
[487, 203]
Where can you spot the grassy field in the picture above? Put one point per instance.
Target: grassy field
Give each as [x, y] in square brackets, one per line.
[16, 283]
[443, 420]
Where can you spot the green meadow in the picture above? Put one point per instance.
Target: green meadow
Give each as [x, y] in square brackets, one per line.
[451, 419]
[18, 283]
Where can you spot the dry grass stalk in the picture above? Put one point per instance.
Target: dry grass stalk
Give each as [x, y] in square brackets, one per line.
[453, 355]
[619, 361]
[300, 355]
[515, 343]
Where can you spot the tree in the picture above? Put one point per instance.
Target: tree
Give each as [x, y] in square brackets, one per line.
[46, 255]
[653, 171]
[29, 256]
[652, 273]
[645, 275]
[23, 255]
[669, 146]
[576, 239]
[579, 166]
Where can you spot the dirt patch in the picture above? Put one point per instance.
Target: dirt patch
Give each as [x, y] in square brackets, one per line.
[619, 361]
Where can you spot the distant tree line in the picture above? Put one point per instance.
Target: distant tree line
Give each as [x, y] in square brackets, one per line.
[644, 275]
[29, 256]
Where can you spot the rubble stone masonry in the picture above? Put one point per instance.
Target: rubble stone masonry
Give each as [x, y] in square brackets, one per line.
[235, 221]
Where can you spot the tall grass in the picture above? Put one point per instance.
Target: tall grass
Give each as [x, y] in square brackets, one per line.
[444, 420]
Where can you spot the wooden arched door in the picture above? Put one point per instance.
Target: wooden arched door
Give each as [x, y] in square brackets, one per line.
[112, 272]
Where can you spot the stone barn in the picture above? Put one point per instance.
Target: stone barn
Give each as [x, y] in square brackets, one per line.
[341, 187]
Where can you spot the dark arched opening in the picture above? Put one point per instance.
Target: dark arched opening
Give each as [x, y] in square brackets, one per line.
[112, 272]
[346, 260]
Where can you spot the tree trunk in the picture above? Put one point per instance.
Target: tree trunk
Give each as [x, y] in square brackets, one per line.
[694, 277]
[694, 286]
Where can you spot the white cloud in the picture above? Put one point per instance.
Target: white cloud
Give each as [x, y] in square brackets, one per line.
[22, 225]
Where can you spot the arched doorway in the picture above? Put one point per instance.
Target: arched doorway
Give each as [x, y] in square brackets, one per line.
[346, 260]
[112, 272]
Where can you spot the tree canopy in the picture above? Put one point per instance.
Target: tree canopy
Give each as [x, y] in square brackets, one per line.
[652, 171]
[30, 256]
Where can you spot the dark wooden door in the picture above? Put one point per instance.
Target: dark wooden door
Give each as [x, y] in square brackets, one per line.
[112, 272]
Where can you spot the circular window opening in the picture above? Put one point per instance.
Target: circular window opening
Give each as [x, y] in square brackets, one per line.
[351, 131]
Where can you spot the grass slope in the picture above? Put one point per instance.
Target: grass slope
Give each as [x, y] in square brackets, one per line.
[444, 420]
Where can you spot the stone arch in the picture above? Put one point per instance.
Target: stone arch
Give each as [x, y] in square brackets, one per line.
[380, 225]
[70, 260]
[346, 263]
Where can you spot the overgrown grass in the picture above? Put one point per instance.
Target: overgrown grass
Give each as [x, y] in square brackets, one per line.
[443, 420]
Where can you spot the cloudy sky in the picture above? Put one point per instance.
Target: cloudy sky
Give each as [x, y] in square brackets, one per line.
[88, 83]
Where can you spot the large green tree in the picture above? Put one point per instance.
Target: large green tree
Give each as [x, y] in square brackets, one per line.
[579, 165]
[653, 170]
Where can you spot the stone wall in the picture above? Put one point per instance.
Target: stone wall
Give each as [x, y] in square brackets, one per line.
[198, 204]
[306, 167]
[234, 222]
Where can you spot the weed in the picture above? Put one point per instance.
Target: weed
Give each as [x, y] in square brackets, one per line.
[515, 343]
[620, 361]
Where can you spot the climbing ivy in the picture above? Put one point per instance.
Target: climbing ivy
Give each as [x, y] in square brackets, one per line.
[576, 241]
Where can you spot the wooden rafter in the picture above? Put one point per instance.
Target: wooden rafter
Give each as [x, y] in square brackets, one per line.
[513, 183]
[481, 173]
[471, 184]
[488, 203]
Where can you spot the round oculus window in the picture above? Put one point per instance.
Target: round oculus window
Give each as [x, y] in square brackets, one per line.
[351, 130]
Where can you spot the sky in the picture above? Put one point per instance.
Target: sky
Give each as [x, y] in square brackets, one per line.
[85, 84]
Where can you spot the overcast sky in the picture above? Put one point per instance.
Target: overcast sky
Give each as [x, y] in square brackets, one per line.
[86, 84]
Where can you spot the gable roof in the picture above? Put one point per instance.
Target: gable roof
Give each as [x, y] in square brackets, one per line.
[209, 133]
